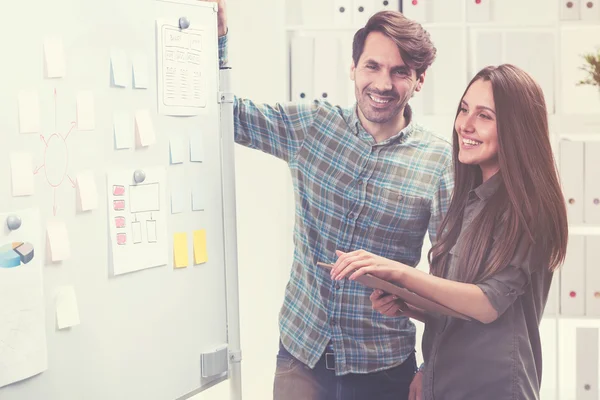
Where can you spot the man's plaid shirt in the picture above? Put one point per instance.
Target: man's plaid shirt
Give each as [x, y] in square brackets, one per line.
[351, 193]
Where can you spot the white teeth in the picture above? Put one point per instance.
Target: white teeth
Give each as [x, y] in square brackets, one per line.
[471, 142]
[378, 100]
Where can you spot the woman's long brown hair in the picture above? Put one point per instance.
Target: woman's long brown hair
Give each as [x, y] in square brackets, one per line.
[529, 204]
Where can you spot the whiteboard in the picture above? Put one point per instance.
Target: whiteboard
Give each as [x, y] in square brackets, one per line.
[142, 331]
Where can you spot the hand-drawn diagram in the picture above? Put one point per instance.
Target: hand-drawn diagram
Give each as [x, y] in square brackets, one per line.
[56, 157]
[23, 351]
[137, 219]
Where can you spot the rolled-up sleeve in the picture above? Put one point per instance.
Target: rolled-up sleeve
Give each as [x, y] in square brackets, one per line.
[503, 288]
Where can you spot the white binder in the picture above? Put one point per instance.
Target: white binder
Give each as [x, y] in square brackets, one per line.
[572, 279]
[521, 44]
[479, 10]
[569, 10]
[592, 183]
[302, 68]
[326, 69]
[415, 9]
[587, 364]
[342, 13]
[571, 177]
[444, 11]
[592, 276]
[589, 10]
[362, 11]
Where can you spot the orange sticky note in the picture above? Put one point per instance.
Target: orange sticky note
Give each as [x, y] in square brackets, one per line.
[200, 255]
[180, 250]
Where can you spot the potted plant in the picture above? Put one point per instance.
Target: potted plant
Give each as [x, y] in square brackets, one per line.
[592, 69]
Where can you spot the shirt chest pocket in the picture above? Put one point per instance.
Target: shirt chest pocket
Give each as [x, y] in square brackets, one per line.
[396, 216]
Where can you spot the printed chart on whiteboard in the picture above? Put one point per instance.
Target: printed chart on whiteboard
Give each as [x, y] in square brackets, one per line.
[181, 80]
[137, 219]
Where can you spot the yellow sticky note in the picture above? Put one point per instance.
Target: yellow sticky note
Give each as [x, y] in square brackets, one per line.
[200, 255]
[180, 250]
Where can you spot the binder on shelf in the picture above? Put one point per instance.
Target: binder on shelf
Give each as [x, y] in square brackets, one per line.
[571, 173]
[326, 69]
[592, 276]
[302, 69]
[569, 10]
[572, 278]
[444, 11]
[479, 10]
[591, 191]
[362, 11]
[586, 370]
[342, 13]
[589, 10]
[415, 9]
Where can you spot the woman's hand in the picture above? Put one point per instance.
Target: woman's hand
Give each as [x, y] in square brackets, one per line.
[362, 262]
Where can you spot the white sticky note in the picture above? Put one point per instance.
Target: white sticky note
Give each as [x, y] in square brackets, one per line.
[22, 174]
[177, 149]
[118, 68]
[140, 71]
[85, 110]
[86, 190]
[144, 131]
[196, 147]
[58, 240]
[67, 310]
[198, 198]
[178, 197]
[29, 111]
[122, 130]
[54, 58]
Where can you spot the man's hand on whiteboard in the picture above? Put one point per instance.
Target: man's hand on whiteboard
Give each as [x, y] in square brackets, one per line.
[222, 15]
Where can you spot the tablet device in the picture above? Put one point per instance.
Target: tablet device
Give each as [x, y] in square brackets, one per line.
[410, 298]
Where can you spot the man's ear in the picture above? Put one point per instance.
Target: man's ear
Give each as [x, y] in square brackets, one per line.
[420, 81]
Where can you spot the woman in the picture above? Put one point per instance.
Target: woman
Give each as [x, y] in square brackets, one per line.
[503, 236]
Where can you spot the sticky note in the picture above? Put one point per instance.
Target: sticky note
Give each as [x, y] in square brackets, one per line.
[122, 130]
[54, 58]
[118, 68]
[86, 190]
[144, 131]
[180, 250]
[58, 240]
[177, 200]
[140, 71]
[198, 198]
[177, 149]
[196, 147]
[200, 255]
[85, 110]
[22, 174]
[67, 310]
[29, 111]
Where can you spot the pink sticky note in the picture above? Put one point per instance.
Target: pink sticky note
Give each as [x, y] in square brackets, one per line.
[118, 190]
[121, 238]
[120, 222]
[119, 205]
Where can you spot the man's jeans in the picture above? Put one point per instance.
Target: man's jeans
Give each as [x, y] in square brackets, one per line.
[296, 381]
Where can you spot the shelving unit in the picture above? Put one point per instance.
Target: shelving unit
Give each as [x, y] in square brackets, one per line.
[546, 38]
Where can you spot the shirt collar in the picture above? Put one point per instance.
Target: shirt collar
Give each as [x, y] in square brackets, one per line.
[359, 130]
[489, 187]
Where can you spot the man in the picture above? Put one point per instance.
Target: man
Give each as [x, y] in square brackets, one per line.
[365, 177]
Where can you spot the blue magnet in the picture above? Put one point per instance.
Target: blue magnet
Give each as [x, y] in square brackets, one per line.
[184, 23]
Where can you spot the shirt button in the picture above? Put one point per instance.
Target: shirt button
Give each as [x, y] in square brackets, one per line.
[350, 215]
[332, 321]
[337, 286]
[360, 182]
